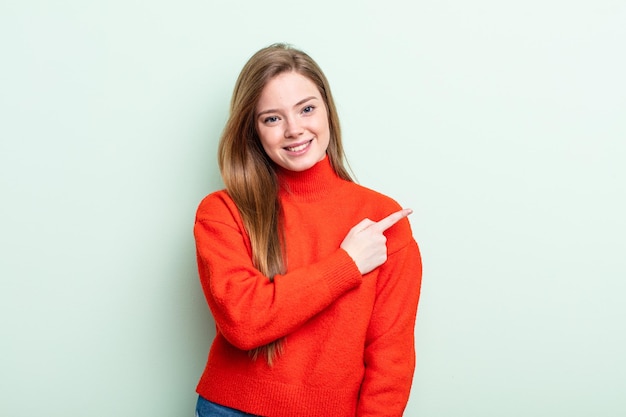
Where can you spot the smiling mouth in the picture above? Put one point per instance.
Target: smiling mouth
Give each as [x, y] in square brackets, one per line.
[298, 148]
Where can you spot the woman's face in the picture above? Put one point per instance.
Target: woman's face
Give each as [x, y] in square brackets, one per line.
[292, 122]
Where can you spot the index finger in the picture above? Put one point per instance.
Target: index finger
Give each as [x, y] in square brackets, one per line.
[392, 219]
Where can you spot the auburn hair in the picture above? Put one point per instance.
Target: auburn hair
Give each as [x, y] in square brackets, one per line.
[249, 174]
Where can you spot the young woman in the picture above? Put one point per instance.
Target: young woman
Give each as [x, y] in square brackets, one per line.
[313, 280]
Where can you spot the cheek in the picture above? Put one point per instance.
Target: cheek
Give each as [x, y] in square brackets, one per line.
[267, 140]
[324, 128]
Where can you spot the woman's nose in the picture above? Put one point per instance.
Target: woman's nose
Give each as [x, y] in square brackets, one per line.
[293, 128]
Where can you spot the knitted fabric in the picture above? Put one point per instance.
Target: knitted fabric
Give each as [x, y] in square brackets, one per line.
[348, 338]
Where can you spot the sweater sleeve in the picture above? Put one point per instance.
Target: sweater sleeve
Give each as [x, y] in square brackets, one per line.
[249, 310]
[389, 349]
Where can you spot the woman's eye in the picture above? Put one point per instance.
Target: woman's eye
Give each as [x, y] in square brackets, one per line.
[270, 119]
[308, 109]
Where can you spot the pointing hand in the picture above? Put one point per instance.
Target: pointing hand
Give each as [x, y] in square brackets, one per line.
[367, 245]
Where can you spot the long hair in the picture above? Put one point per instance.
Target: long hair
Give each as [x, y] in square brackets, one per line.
[248, 173]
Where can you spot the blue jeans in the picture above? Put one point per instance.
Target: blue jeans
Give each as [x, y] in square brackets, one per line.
[206, 408]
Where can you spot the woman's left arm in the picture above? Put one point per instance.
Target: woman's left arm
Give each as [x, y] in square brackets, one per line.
[389, 347]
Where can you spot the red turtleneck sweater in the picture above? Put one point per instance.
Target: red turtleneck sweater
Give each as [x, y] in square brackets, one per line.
[348, 338]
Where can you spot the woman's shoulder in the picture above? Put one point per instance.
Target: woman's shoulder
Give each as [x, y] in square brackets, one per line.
[371, 198]
[217, 206]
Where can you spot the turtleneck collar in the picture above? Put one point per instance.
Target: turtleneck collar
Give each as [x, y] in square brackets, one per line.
[316, 182]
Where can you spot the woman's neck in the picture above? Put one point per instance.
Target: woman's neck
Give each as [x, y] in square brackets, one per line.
[313, 183]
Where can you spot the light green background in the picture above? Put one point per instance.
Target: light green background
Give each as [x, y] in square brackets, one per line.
[501, 123]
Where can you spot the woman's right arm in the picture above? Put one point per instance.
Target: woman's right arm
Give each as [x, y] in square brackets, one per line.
[249, 310]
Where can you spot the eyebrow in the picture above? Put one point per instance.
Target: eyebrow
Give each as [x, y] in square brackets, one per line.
[304, 100]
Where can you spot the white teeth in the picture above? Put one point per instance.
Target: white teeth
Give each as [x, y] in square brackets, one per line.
[298, 148]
